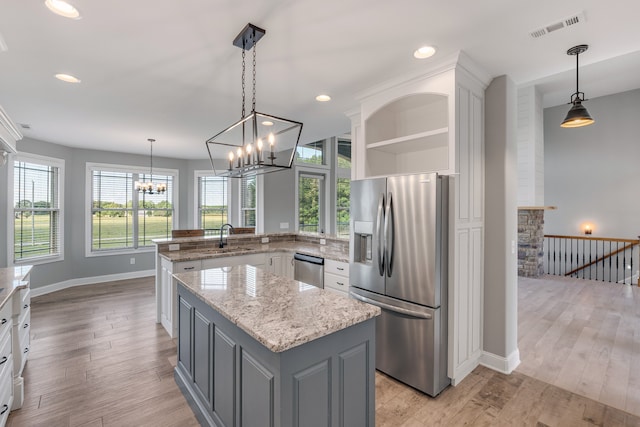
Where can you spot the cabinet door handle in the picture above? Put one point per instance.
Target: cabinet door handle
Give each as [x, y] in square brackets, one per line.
[4, 359]
[3, 321]
[26, 325]
[341, 268]
[5, 408]
[270, 261]
[26, 306]
[340, 283]
[189, 268]
[26, 350]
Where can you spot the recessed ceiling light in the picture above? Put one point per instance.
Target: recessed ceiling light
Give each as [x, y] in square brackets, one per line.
[62, 8]
[67, 78]
[267, 123]
[323, 98]
[424, 52]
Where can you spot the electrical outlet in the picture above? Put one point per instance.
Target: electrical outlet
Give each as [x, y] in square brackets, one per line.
[174, 247]
[513, 246]
[265, 240]
[132, 261]
[323, 241]
[284, 225]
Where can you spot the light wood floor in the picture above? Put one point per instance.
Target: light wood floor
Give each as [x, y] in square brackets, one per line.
[582, 336]
[98, 359]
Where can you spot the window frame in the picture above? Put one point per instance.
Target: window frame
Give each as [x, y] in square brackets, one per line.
[325, 174]
[196, 196]
[45, 161]
[340, 173]
[242, 209]
[139, 170]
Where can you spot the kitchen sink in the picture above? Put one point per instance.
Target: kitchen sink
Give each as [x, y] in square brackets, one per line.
[224, 250]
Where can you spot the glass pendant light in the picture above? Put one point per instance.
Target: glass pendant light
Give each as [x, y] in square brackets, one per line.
[578, 115]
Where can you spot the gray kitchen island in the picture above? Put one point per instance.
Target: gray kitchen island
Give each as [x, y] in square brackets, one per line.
[257, 349]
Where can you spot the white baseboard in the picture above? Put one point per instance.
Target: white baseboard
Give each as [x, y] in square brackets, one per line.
[505, 365]
[43, 290]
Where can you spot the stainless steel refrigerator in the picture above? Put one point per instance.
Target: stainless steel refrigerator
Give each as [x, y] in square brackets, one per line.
[398, 261]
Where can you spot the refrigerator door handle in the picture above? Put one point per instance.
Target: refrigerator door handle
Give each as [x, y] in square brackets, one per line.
[389, 235]
[390, 307]
[379, 220]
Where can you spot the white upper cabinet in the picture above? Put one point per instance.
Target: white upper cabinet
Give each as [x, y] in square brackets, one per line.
[9, 133]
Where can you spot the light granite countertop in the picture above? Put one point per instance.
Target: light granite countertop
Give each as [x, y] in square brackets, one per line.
[322, 251]
[12, 280]
[279, 313]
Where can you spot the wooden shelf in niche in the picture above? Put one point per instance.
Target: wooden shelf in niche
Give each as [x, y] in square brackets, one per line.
[417, 142]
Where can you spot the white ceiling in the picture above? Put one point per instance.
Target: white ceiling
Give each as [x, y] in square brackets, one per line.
[168, 69]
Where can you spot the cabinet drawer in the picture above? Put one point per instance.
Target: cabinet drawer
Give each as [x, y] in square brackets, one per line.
[6, 393]
[336, 282]
[21, 302]
[5, 319]
[336, 267]
[6, 361]
[181, 267]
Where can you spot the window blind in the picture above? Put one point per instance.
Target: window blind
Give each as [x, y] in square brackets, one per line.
[122, 218]
[212, 202]
[36, 201]
[248, 201]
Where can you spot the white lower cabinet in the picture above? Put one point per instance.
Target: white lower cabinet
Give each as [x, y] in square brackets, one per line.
[21, 341]
[280, 263]
[6, 363]
[336, 276]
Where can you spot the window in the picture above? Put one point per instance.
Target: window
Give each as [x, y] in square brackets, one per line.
[343, 186]
[310, 203]
[122, 219]
[311, 153]
[248, 201]
[37, 213]
[213, 204]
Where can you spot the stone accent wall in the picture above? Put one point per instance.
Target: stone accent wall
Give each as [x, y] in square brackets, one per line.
[530, 242]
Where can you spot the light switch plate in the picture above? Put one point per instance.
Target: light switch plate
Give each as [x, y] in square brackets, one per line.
[284, 225]
[174, 247]
[265, 240]
[323, 241]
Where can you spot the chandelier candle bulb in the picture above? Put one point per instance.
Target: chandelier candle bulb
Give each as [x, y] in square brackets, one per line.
[230, 160]
[239, 155]
[249, 149]
[259, 144]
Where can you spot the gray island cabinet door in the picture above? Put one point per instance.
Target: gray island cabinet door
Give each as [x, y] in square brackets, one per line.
[312, 396]
[184, 335]
[201, 355]
[224, 377]
[257, 393]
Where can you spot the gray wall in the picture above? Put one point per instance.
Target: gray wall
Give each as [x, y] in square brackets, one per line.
[501, 177]
[592, 173]
[75, 264]
[279, 200]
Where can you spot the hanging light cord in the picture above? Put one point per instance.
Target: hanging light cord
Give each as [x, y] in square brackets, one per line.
[243, 85]
[253, 104]
[151, 160]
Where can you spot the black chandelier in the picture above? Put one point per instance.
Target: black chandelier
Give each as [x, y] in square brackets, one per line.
[578, 115]
[257, 143]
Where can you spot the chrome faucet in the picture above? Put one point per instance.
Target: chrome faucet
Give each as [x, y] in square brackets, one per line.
[221, 245]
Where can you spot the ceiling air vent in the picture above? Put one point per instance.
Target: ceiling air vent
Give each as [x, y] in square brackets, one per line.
[559, 25]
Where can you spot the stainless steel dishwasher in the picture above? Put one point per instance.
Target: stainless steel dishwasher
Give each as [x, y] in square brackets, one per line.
[309, 269]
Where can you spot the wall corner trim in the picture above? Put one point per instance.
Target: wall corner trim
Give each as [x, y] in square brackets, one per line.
[505, 365]
[43, 290]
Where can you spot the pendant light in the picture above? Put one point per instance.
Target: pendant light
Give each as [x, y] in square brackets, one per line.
[150, 187]
[257, 143]
[578, 115]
